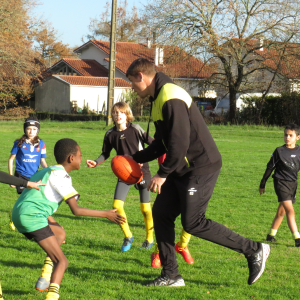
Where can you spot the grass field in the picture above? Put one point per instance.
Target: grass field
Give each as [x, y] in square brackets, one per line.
[99, 270]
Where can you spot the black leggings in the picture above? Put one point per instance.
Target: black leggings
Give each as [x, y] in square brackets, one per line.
[189, 196]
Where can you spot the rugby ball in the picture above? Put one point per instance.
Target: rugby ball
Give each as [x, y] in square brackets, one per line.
[126, 169]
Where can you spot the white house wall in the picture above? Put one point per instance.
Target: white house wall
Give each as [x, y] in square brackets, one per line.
[53, 96]
[93, 96]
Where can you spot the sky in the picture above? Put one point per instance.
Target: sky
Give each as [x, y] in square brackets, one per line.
[71, 18]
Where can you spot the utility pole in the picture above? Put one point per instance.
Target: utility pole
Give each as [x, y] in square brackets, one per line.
[112, 62]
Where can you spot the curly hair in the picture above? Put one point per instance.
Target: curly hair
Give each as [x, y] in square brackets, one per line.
[64, 148]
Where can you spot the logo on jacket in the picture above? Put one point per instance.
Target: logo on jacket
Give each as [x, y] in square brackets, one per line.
[192, 191]
[38, 148]
[122, 137]
[293, 155]
[31, 156]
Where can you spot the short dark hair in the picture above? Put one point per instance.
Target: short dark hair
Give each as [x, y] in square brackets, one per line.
[64, 148]
[293, 127]
[141, 65]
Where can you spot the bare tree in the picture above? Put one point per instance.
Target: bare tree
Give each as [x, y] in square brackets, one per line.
[228, 34]
[130, 27]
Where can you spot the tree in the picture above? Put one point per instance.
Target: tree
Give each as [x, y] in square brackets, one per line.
[229, 33]
[17, 58]
[130, 27]
[48, 45]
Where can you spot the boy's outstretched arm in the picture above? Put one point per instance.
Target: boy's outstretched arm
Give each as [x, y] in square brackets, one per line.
[82, 211]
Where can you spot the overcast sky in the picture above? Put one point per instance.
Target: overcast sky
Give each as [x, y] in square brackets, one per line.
[71, 18]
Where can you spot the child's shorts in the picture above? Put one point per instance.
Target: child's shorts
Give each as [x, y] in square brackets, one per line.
[40, 234]
[20, 189]
[285, 190]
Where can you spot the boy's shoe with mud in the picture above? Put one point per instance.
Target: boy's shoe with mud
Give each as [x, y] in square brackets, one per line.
[146, 245]
[127, 243]
[271, 238]
[42, 284]
[297, 242]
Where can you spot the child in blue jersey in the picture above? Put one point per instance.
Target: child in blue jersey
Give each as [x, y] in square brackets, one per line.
[30, 153]
[32, 213]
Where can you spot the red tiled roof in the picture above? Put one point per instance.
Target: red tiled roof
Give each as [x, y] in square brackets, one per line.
[92, 81]
[177, 62]
[85, 67]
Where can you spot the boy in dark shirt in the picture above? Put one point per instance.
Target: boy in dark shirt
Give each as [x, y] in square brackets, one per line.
[286, 162]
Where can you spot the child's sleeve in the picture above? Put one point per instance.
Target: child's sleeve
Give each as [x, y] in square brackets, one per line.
[15, 148]
[106, 149]
[43, 151]
[270, 167]
[62, 184]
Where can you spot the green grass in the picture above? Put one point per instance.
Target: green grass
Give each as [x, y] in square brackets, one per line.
[97, 268]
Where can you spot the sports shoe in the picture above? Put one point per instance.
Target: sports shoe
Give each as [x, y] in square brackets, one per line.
[297, 242]
[42, 284]
[167, 281]
[11, 224]
[185, 254]
[127, 243]
[257, 261]
[155, 261]
[146, 245]
[271, 238]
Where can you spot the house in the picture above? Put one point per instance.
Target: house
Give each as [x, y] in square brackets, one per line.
[84, 80]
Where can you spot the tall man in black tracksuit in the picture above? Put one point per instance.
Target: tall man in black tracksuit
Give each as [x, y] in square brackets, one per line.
[185, 180]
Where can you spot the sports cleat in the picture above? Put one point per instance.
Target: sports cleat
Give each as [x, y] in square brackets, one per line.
[11, 224]
[185, 254]
[146, 245]
[167, 281]
[257, 261]
[271, 238]
[52, 296]
[127, 243]
[42, 284]
[155, 261]
[297, 242]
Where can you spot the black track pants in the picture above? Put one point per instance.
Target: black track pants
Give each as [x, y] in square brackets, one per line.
[189, 196]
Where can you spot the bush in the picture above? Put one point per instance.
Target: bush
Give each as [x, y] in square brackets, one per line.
[67, 117]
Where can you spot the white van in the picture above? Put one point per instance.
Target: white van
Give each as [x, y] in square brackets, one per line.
[222, 106]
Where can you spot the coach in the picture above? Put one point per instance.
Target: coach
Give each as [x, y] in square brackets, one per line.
[185, 180]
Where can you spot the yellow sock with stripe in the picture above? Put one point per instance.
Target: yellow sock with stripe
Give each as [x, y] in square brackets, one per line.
[148, 219]
[47, 268]
[296, 235]
[272, 232]
[156, 251]
[1, 295]
[53, 292]
[184, 239]
[119, 205]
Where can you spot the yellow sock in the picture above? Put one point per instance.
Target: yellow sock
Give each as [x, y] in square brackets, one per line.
[147, 213]
[119, 205]
[184, 239]
[53, 292]
[296, 235]
[272, 232]
[1, 295]
[47, 269]
[156, 251]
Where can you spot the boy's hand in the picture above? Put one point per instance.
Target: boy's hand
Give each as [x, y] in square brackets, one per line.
[12, 186]
[261, 191]
[91, 163]
[35, 185]
[113, 216]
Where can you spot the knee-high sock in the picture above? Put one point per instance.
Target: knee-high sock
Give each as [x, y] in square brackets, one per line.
[184, 239]
[53, 292]
[148, 219]
[47, 268]
[119, 205]
[156, 250]
[1, 296]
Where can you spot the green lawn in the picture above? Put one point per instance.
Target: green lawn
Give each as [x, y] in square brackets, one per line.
[99, 270]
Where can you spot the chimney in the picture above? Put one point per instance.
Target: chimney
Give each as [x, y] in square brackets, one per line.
[156, 51]
[149, 43]
[261, 44]
[161, 56]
